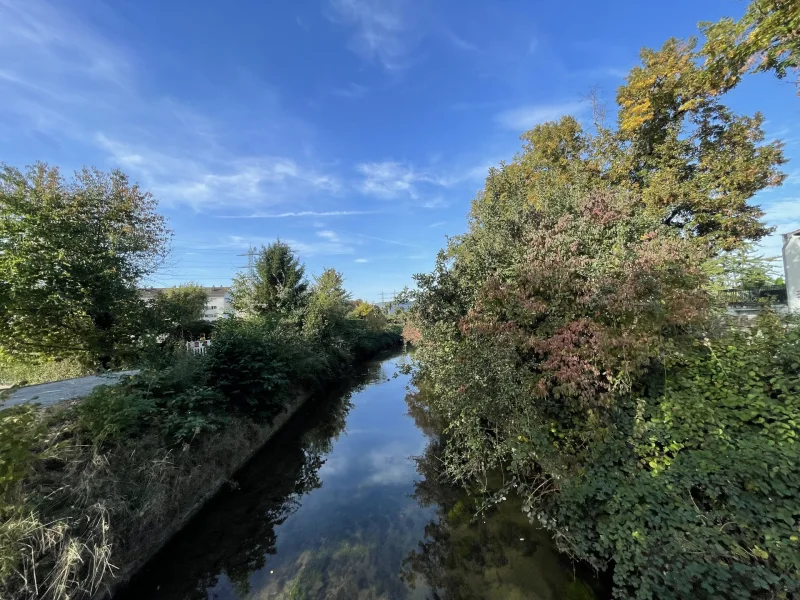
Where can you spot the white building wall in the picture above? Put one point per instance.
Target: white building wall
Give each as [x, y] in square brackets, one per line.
[791, 268]
[218, 304]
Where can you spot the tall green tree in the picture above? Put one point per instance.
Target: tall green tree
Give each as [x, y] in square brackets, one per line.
[745, 268]
[371, 314]
[178, 310]
[276, 282]
[71, 255]
[328, 305]
[697, 163]
[766, 38]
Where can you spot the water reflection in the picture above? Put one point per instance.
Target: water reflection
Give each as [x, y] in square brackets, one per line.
[325, 511]
[336, 508]
[497, 554]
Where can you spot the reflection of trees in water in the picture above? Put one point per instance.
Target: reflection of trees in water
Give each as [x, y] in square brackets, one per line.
[499, 554]
[235, 532]
[251, 529]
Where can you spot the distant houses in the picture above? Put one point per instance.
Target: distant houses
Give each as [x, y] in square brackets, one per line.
[218, 304]
[791, 269]
[784, 298]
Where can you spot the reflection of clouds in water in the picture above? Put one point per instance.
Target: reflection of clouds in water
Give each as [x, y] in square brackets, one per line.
[334, 465]
[392, 464]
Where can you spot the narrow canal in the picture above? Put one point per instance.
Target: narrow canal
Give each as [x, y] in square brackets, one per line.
[336, 506]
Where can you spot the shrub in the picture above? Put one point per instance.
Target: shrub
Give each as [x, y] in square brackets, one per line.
[587, 365]
[111, 412]
[370, 314]
[192, 413]
[21, 431]
[247, 367]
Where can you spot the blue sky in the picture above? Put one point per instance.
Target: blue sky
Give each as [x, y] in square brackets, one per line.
[356, 130]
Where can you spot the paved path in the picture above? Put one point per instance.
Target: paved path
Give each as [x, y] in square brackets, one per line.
[48, 394]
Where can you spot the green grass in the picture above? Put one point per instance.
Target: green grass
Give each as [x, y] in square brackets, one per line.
[20, 373]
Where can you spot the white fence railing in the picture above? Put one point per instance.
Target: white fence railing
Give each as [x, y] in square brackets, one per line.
[198, 347]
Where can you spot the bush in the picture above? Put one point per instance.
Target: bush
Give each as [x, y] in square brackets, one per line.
[246, 365]
[111, 412]
[21, 431]
[191, 413]
[586, 363]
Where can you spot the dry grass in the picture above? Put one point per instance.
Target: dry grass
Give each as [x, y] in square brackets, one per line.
[92, 515]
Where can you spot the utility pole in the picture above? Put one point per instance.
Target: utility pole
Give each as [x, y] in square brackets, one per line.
[382, 298]
[250, 254]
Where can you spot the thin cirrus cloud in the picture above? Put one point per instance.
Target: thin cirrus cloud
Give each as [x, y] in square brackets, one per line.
[301, 214]
[526, 117]
[388, 32]
[381, 30]
[304, 248]
[67, 82]
[351, 90]
[178, 178]
[392, 179]
[784, 216]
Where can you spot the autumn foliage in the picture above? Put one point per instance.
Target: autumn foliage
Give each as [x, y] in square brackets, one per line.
[571, 341]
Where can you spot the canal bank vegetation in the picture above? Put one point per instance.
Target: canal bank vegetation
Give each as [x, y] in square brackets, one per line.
[573, 342]
[91, 487]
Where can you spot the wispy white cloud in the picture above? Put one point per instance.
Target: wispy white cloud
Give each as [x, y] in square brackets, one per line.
[392, 179]
[329, 235]
[525, 117]
[301, 214]
[437, 224]
[351, 90]
[361, 260]
[784, 215]
[459, 42]
[219, 178]
[384, 240]
[603, 72]
[58, 47]
[304, 248]
[437, 202]
[383, 31]
[65, 80]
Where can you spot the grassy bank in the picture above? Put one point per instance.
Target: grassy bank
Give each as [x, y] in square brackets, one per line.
[16, 372]
[89, 487]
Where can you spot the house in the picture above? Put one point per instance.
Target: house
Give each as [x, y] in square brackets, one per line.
[218, 304]
[791, 269]
[785, 298]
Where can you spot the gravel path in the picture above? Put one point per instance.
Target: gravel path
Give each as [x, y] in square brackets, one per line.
[48, 394]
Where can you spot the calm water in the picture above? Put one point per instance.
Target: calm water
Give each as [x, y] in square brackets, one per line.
[337, 507]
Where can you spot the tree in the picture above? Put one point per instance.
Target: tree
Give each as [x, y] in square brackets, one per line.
[371, 314]
[71, 255]
[277, 282]
[744, 268]
[328, 305]
[766, 38]
[569, 341]
[696, 163]
[178, 310]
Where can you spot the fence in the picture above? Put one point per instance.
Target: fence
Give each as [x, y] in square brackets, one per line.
[776, 294]
[198, 347]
